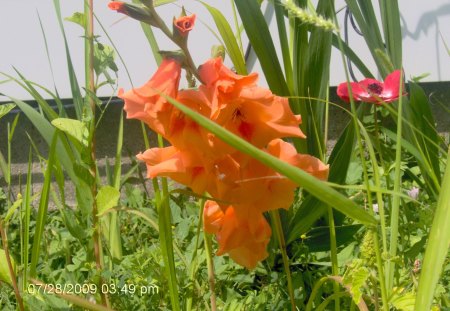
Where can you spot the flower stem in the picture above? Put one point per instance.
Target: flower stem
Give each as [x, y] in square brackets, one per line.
[194, 263]
[334, 261]
[275, 215]
[90, 85]
[396, 200]
[210, 264]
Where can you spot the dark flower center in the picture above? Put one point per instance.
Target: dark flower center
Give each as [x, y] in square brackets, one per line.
[237, 114]
[187, 24]
[375, 88]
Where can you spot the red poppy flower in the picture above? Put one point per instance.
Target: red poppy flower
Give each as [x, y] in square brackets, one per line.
[373, 91]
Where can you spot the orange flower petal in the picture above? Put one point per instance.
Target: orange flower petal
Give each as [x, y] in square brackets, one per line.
[146, 103]
[184, 24]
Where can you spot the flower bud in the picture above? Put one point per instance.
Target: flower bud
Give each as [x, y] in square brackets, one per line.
[182, 26]
[140, 13]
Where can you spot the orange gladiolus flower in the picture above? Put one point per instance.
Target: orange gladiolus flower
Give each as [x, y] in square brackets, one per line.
[266, 189]
[244, 239]
[146, 103]
[179, 166]
[244, 108]
[184, 24]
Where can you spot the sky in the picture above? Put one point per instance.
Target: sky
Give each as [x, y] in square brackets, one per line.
[425, 27]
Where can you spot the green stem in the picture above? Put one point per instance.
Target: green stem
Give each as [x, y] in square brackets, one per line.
[182, 45]
[335, 296]
[396, 200]
[275, 215]
[334, 260]
[166, 239]
[90, 85]
[194, 256]
[210, 264]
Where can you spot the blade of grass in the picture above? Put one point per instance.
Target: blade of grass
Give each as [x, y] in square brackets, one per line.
[437, 249]
[228, 38]
[115, 241]
[42, 210]
[390, 16]
[284, 44]
[62, 111]
[258, 33]
[166, 240]
[275, 216]
[76, 93]
[25, 221]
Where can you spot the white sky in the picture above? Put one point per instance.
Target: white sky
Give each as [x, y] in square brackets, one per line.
[426, 25]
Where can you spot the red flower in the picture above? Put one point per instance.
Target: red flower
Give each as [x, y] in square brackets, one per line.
[373, 91]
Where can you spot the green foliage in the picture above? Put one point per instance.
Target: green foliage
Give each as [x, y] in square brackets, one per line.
[5, 275]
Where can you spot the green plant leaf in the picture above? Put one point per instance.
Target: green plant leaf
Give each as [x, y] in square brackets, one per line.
[5, 108]
[258, 33]
[228, 39]
[13, 208]
[77, 18]
[4, 271]
[76, 129]
[318, 239]
[107, 198]
[437, 246]
[404, 302]
[355, 277]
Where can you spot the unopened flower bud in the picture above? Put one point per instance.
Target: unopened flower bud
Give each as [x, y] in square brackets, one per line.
[138, 12]
[182, 26]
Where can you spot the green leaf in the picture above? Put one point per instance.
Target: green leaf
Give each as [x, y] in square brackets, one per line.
[77, 18]
[13, 207]
[5, 108]
[437, 248]
[4, 271]
[258, 33]
[107, 198]
[318, 239]
[228, 39]
[76, 129]
[75, 88]
[356, 277]
[404, 302]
